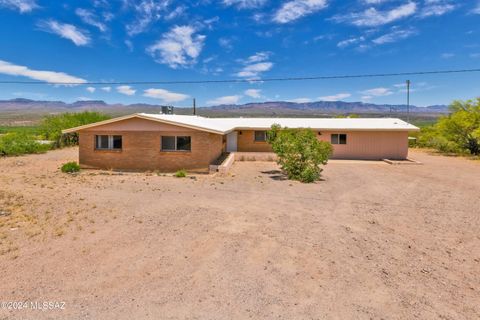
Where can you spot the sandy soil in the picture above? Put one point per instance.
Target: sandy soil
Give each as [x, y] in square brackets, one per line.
[371, 241]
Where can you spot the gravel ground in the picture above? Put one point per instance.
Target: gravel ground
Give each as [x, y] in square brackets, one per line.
[370, 241]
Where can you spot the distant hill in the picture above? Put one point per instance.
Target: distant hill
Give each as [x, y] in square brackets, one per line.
[330, 107]
[24, 110]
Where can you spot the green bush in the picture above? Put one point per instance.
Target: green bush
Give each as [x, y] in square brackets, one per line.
[181, 173]
[299, 152]
[18, 143]
[70, 167]
[459, 132]
[52, 126]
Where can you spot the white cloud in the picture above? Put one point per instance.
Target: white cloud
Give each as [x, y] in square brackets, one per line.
[245, 4]
[375, 1]
[335, 97]
[84, 99]
[90, 18]
[225, 100]
[126, 90]
[372, 17]
[436, 8]
[253, 70]
[296, 9]
[175, 13]
[178, 47]
[146, 12]
[476, 10]
[67, 31]
[90, 89]
[255, 65]
[377, 92]
[225, 43]
[300, 100]
[107, 89]
[447, 55]
[41, 75]
[164, 95]
[394, 36]
[259, 57]
[253, 93]
[21, 5]
[351, 41]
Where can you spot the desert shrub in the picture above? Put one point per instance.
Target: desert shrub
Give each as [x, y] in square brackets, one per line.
[299, 152]
[52, 126]
[462, 127]
[459, 132]
[18, 143]
[70, 167]
[31, 130]
[181, 173]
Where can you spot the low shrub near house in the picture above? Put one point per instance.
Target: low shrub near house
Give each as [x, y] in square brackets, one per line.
[299, 152]
[18, 143]
[181, 173]
[70, 167]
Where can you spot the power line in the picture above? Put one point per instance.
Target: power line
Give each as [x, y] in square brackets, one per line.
[352, 76]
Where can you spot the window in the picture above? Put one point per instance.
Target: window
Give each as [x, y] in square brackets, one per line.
[174, 143]
[117, 142]
[260, 136]
[183, 144]
[339, 138]
[106, 142]
[168, 143]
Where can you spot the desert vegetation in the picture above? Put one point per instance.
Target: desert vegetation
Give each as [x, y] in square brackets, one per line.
[458, 132]
[181, 173]
[52, 126]
[299, 152]
[16, 141]
[70, 167]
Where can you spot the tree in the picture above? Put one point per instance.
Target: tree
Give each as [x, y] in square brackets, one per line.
[462, 126]
[299, 152]
[52, 126]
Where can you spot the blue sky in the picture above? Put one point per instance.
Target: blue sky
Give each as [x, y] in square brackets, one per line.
[147, 40]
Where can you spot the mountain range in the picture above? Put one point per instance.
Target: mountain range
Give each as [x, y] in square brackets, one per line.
[31, 110]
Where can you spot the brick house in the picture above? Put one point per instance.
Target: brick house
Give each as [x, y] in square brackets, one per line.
[172, 142]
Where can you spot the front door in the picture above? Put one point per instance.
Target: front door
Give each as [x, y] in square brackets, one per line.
[232, 141]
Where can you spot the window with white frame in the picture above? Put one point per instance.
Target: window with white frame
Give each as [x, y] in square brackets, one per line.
[108, 142]
[176, 143]
[339, 138]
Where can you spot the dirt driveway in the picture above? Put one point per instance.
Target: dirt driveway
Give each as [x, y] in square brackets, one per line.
[371, 241]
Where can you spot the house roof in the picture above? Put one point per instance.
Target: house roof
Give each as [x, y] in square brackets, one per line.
[226, 125]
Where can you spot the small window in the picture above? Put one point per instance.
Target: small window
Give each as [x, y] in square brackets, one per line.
[168, 143]
[339, 138]
[117, 142]
[106, 142]
[184, 144]
[173, 143]
[260, 136]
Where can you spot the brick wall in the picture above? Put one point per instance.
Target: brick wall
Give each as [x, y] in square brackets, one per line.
[141, 151]
[369, 145]
[246, 142]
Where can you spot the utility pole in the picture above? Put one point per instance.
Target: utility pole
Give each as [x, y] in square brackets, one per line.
[194, 107]
[408, 100]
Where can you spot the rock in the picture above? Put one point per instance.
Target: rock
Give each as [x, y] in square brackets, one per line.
[4, 213]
